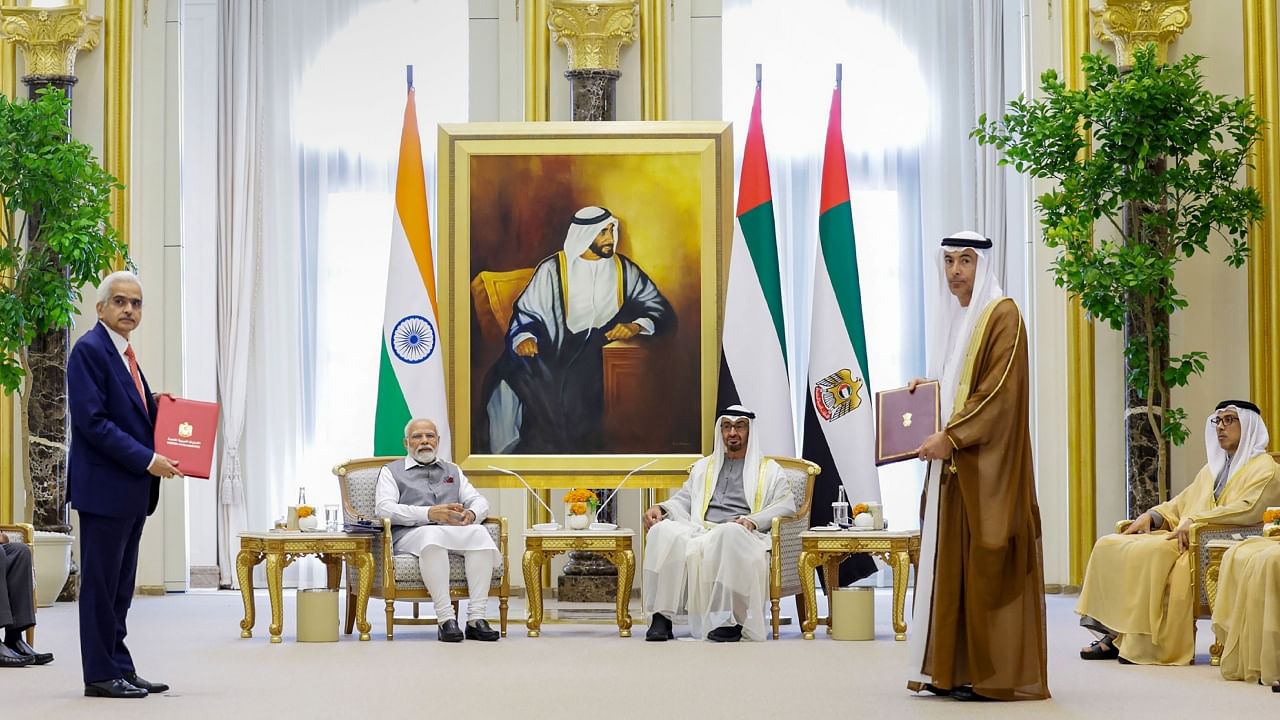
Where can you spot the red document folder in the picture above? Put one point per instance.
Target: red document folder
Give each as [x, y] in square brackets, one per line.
[904, 420]
[185, 431]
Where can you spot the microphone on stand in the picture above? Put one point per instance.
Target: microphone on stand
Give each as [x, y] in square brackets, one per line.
[615, 492]
[553, 525]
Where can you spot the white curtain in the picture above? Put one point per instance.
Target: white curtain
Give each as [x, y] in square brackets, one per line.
[332, 102]
[239, 245]
[909, 98]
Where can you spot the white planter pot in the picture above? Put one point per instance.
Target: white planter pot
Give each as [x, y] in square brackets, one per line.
[52, 557]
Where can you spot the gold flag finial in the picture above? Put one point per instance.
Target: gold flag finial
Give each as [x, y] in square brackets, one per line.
[594, 32]
[1130, 24]
[50, 37]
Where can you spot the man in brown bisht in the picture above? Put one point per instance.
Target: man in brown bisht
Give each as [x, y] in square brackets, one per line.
[979, 617]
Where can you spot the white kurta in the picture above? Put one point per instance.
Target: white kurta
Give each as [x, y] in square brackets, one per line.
[457, 538]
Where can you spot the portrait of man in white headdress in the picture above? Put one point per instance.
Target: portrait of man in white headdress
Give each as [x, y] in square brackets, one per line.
[545, 392]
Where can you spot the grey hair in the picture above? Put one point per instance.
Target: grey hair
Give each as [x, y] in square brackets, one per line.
[416, 420]
[104, 288]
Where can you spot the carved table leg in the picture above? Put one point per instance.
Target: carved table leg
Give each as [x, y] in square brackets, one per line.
[901, 561]
[625, 561]
[831, 573]
[808, 566]
[275, 589]
[364, 584]
[244, 573]
[533, 561]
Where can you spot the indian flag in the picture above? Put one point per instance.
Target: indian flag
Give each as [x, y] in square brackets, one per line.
[753, 368]
[411, 374]
[839, 426]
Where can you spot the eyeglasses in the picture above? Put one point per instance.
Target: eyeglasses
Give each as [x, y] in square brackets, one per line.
[1225, 420]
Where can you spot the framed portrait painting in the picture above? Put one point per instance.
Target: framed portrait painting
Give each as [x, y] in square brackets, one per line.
[582, 278]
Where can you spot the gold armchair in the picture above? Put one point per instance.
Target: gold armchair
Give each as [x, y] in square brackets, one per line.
[397, 577]
[26, 534]
[784, 555]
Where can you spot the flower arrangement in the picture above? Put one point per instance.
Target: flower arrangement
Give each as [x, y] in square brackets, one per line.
[581, 501]
[1271, 516]
[306, 511]
[860, 508]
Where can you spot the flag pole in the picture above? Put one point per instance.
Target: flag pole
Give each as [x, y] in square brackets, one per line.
[408, 77]
[839, 74]
[758, 66]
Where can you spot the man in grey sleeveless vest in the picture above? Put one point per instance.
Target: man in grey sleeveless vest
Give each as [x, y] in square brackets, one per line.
[434, 510]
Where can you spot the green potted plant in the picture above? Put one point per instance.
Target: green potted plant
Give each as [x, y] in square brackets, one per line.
[1151, 159]
[55, 238]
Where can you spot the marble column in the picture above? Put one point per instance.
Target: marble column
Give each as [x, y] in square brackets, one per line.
[50, 39]
[592, 93]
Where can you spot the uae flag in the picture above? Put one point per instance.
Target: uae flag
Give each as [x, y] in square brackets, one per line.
[839, 430]
[411, 374]
[753, 364]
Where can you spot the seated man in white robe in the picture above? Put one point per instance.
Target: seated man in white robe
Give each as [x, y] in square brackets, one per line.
[434, 510]
[1137, 594]
[707, 548]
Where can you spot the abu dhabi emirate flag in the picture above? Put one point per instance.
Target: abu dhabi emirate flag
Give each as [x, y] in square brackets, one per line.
[411, 373]
[753, 365]
[839, 430]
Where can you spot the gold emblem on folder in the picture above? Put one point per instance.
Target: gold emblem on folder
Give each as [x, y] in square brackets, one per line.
[184, 430]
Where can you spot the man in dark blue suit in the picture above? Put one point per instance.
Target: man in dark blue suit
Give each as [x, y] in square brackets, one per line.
[114, 476]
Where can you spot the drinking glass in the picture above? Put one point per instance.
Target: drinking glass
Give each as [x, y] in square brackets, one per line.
[332, 520]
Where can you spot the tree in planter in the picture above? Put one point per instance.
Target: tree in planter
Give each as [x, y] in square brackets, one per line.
[54, 238]
[1153, 154]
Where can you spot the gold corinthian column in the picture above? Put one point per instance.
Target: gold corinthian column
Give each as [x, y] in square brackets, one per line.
[1129, 24]
[593, 33]
[1261, 61]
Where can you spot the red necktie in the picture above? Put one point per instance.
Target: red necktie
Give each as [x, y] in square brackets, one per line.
[137, 374]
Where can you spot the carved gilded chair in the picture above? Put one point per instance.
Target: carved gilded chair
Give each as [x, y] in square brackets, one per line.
[784, 556]
[25, 534]
[494, 293]
[398, 577]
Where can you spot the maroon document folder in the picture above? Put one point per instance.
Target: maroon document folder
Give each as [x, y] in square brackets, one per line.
[185, 431]
[904, 420]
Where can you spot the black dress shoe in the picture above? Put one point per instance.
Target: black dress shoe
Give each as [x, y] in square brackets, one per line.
[941, 692]
[12, 658]
[659, 629]
[151, 687]
[22, 648]
[1095, 651]
[965, 693]
[118, 688]
[449, 631]
[726, 634]
[480, 630]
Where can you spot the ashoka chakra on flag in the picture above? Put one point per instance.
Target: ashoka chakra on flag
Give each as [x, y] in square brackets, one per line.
[413, 339]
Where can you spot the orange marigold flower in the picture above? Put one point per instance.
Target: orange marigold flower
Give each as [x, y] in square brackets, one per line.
[1272, 515]
[306, 511]
[580, 495]
[578, 508]
[860, 508]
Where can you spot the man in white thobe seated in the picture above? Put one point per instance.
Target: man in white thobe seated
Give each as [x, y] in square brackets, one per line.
[707, 548]
[434, 510]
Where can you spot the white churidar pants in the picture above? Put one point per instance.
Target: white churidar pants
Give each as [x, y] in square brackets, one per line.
[432, 544]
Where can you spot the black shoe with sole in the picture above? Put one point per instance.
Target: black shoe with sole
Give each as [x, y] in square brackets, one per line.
[659, 629]
[21, 647]
[118, 688]
[1095, 651]
[726, 634]
[151, 687]
[480, 630]
[449, 632]
[12, 658]
[965, 693]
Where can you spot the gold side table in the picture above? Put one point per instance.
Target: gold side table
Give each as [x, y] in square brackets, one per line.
[898, 549]
[613, 545]
[280, 548]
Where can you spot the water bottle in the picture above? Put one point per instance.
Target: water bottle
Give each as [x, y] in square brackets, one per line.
[302, 495]
[840, 511]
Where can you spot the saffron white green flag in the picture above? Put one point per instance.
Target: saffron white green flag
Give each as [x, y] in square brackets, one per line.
[753, 367]
[411, 373]
[839, 425]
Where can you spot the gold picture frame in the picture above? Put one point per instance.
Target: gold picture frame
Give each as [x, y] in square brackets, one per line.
[670, 185]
